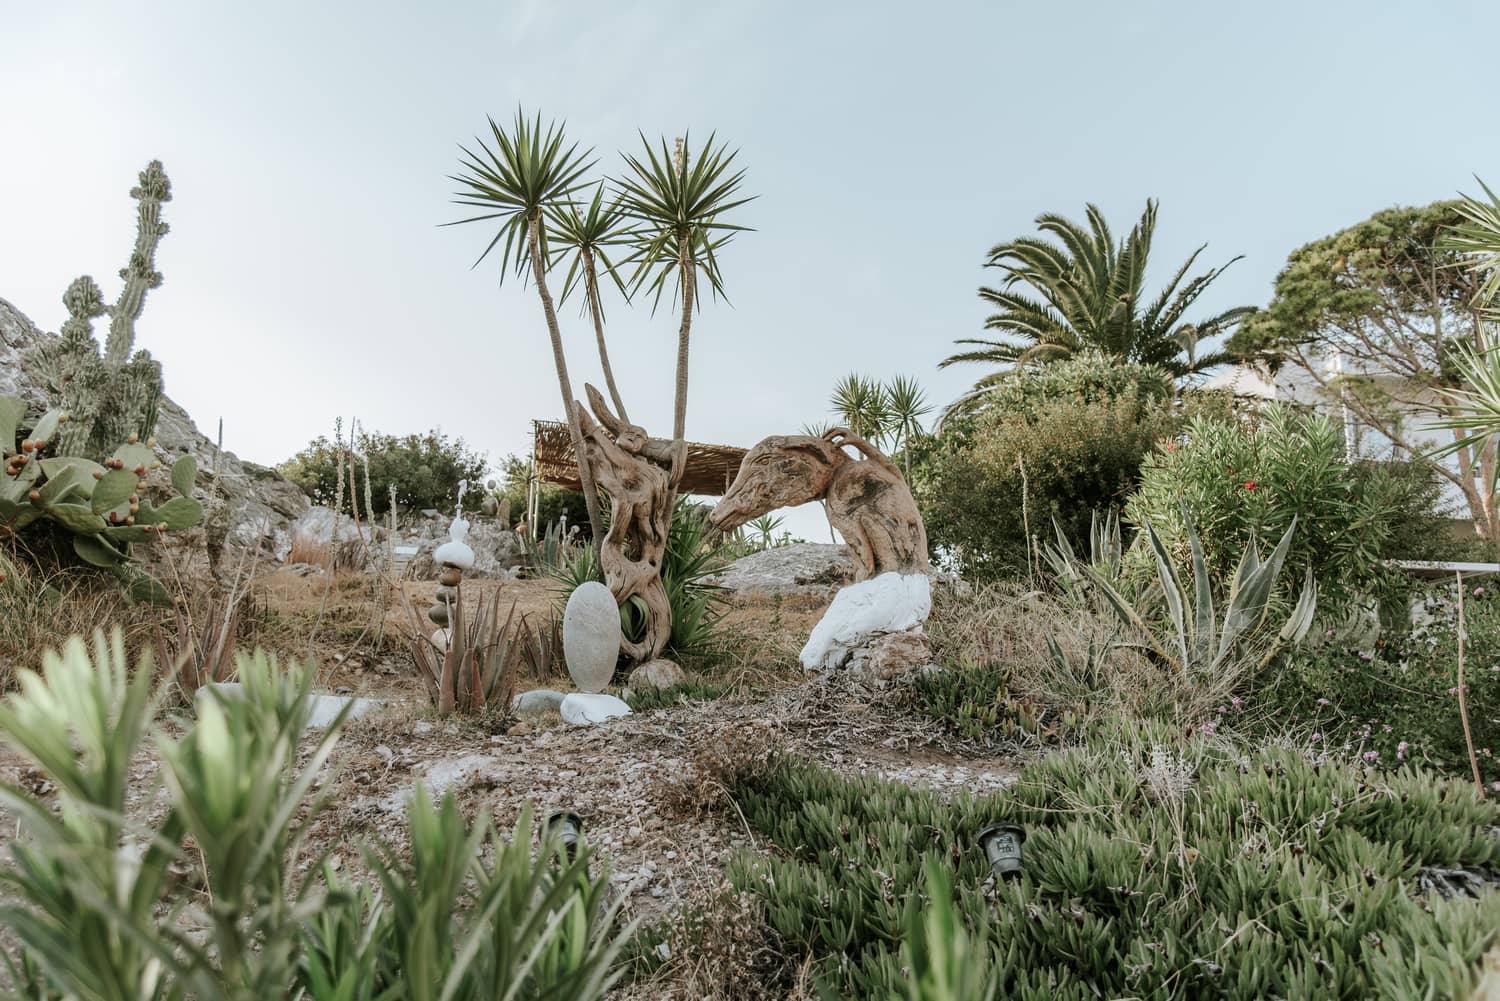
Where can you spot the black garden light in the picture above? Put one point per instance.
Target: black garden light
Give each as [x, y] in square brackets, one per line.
[567, 827]
[1002, 846]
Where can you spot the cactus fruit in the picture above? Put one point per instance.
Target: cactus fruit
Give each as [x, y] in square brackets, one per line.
[100, 504]
[115, 394]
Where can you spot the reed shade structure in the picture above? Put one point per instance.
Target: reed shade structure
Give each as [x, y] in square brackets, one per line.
[710, 468]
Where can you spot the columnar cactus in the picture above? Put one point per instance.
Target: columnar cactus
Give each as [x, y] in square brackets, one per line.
[114, 394]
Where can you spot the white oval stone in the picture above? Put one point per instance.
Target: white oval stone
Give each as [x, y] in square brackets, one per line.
[580, 708]
[591, 636]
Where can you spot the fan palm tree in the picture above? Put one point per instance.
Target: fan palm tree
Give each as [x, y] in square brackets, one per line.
[585, 235]
[679, 205]
[529, 170]
[1082, 290]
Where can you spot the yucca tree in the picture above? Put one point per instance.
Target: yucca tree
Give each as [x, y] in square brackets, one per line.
[863, 405]
[529, 170]
[908, 405]
[1082, 289]
[678, 201]
[1475, 411]
[585, 235]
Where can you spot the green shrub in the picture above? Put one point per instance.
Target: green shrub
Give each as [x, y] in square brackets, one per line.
[1398, 702]
[98, 899]
[1250, 476]
[1148, 873]
[424, 469]
[1060, 459]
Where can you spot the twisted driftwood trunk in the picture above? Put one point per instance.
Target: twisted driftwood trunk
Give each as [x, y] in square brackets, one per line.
[640, 475]
[868, 500]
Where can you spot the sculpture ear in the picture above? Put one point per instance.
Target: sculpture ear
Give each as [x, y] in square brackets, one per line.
[601, 410]
[819, 448]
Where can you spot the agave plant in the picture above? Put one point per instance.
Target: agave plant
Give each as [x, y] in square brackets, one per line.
[1196, 641]
[1106, 553]
[476, 667]
[200, 655]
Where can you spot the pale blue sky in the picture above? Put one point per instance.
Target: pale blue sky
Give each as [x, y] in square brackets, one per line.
[891, 144]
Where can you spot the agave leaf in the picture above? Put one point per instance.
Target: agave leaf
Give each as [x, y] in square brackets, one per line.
[1175, 597]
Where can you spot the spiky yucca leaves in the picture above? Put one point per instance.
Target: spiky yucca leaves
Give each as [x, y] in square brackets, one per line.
[586, 235]
[692, 555]
[679, 200]
[115, 393]
[1478, 239]
[1082, 290]
[1207, 871]
[1194, 641]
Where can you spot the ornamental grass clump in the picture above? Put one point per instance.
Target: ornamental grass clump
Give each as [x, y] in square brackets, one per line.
[1151, 869]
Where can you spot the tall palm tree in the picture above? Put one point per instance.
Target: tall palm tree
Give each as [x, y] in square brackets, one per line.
[678, 205]
[1081, 289]
[527, 172]
[585, 235]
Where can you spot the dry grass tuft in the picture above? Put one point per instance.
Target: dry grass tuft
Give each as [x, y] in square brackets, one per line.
[305, 550]
[1064, 654]
[718, 762]
[41, 606]
[721, 948]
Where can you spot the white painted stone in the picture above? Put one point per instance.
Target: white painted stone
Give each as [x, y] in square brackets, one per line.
[583, 708]
[325, 708]
[591, 636]
[890, 603]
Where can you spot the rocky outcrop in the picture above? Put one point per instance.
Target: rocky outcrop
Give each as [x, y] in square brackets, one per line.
[498, 551]
[801, 568]
[248, 510]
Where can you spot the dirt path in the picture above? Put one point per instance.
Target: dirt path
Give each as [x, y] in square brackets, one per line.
[625, 778]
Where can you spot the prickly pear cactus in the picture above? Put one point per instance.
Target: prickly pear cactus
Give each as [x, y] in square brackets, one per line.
[114, 393]
[99, 504]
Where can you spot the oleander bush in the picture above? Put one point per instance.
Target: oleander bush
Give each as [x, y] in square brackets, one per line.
[211, 897]
[1204, 871]
[1248, 477]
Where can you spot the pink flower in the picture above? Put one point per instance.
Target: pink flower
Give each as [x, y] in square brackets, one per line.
[1371, 755]
[1401, 750]
[1317, 736]
[1322, 702]
[1236, 701]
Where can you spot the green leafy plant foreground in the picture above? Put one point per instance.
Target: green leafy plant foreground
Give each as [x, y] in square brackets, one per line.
[1201, 872]
[210, 902]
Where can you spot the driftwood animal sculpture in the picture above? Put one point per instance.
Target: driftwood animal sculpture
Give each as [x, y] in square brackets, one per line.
[640, 475]
[867, 499]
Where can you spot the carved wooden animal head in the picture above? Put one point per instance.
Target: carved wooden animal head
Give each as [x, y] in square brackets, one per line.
[782, 471]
